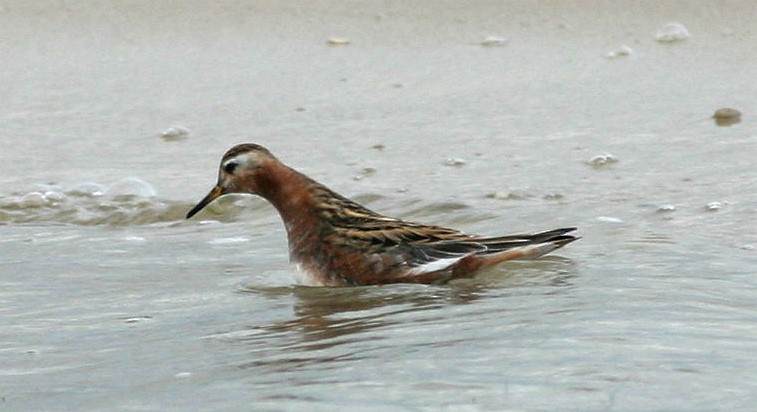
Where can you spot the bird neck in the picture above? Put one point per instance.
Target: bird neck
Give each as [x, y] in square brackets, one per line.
[289, 192]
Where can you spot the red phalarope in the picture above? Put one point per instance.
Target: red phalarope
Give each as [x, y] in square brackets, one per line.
[338, 242]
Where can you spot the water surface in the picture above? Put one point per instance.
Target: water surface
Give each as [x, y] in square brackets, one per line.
[110, 300]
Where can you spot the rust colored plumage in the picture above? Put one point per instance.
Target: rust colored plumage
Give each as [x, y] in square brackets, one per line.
[338, 242]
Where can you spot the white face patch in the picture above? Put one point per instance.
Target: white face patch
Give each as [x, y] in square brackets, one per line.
[239, 160]
[242, 160]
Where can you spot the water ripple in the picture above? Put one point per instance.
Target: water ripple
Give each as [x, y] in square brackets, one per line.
[127, 202]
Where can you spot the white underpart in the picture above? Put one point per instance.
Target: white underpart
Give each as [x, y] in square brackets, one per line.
[435, 265]
[303, 277]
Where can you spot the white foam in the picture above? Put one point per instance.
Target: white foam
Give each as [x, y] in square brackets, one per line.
[622, 51]
[714, 206]
[602, 159]
[666, 208]
[494, 41]
[87, 189]
[32, 199]
[671, 33]
[454, 161]
[229, 240]
[175, 133]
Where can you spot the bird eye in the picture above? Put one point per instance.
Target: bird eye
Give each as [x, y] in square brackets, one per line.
[230, 167]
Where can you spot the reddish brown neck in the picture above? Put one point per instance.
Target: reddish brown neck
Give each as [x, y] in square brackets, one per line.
[288, 191]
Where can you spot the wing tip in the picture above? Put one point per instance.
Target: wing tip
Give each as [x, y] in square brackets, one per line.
[563, 240]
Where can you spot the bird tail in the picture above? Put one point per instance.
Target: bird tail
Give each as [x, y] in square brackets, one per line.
[527, 246]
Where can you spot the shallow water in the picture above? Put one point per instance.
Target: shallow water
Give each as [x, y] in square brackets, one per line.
[110, 300]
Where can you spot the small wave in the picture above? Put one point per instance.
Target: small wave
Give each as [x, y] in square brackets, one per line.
[126, 202]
